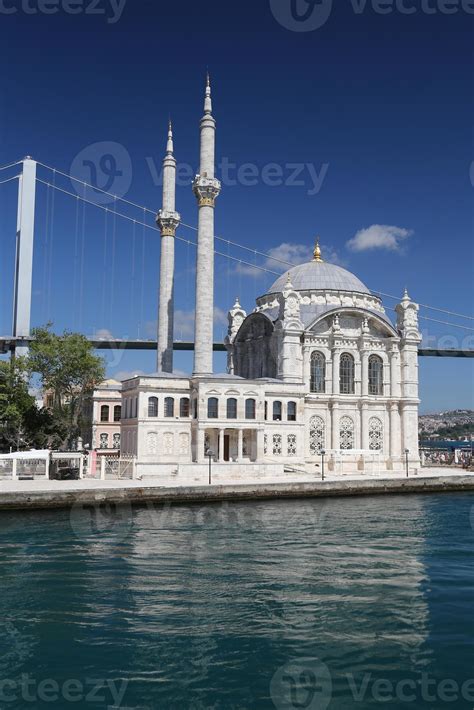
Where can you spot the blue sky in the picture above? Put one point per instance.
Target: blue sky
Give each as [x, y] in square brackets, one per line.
[369, 113]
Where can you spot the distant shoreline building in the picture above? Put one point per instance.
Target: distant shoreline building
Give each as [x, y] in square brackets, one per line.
[317, 366]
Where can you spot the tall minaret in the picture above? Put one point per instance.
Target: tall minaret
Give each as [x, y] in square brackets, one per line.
[206, 188]
[167, 220]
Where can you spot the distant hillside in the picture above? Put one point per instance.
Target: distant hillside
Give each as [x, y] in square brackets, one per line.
[457, 424]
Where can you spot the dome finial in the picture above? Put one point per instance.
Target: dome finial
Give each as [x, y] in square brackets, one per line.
[317, 252]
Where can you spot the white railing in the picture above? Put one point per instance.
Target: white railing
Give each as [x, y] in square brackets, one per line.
[339, 457]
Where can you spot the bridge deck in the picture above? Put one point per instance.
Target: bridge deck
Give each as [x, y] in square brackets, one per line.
[7, 344]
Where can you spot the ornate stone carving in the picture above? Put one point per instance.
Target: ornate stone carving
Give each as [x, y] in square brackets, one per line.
[291, 445]
[207, 190]
[346, 433]
[168, 222]
[375, 434]
[407, 319]
[317, 435]
[152, 443]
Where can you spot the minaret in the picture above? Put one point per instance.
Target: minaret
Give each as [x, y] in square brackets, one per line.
[167, 220]
[206, 188]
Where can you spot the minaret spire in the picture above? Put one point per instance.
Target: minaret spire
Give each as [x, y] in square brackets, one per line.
[206, 188]
[169, 145]
[167, 220]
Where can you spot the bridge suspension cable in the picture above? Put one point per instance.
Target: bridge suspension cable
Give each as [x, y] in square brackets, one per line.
[229, 243]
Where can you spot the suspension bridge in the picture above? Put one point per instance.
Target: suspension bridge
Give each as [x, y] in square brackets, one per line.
[83, 197]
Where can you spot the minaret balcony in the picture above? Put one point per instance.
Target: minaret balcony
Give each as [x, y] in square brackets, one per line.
[168, 222]
[206, 190]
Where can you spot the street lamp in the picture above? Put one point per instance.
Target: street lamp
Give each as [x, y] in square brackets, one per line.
[210, 455]
[323, 454]
[407, 451]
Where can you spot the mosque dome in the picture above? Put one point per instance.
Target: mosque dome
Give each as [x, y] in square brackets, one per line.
[317, 275]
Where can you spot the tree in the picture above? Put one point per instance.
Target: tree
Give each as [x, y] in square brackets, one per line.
[22, 424]
[69, 371]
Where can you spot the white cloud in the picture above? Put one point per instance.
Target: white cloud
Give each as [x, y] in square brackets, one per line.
[379, 236]
[290, 254]
[103, 334]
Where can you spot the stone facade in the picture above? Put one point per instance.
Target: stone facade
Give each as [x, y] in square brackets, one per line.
[316, 367]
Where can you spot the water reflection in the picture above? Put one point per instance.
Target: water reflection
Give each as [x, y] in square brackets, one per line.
[202, 606]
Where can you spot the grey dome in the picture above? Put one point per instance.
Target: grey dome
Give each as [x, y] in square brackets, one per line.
[319, 276]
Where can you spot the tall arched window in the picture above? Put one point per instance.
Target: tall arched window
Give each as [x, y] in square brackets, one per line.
[375, 375]
[184, 407]
[346, 433]
[347, 374]
[375, 434]
[291, 412]
[104, 413]
[250, 409]
[317, 435]
[153, 407]
[277, 411]
[169, 407]
[232, 408]
[117, 413]
[213, 408]
[318, 373]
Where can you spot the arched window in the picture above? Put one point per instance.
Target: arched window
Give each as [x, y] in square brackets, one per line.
[375, 434]
[117, 413]
[375, 375]
[346, 433]
[153, 407]
[231, 408]
[213, 408]
[347, 374]
[104, 413]
[250, 409]
[318, 373]
[277, 412]
[317, 435]
[169, 407]
[291, 412]
[184, 407]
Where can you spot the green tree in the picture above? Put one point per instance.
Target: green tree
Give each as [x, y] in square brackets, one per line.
[22, 424]
[69, 371]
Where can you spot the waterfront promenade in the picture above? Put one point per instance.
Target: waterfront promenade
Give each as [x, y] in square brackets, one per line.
[60, 494]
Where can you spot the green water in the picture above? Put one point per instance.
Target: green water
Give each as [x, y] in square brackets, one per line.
[350, 603]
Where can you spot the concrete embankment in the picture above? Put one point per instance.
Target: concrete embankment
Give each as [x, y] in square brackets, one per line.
[83, 493]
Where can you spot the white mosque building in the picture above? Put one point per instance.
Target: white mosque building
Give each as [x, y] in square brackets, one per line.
[318, 366]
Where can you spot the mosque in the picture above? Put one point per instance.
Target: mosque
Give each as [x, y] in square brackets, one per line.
[317, 368]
